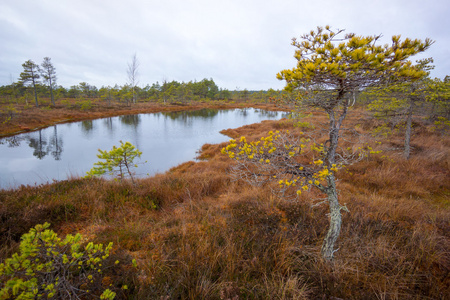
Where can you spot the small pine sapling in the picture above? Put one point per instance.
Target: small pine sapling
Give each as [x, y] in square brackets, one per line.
[48, 267]
[118, 162]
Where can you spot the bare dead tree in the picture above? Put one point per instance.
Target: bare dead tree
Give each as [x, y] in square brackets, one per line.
[133, 74]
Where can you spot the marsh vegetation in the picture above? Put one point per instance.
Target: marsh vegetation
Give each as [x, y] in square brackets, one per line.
[370, 224]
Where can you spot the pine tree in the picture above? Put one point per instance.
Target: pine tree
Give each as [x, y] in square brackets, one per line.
[30, 74]
[49, 74]
[330, 69]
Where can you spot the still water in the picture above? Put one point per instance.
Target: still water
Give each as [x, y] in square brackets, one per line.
[165, 139]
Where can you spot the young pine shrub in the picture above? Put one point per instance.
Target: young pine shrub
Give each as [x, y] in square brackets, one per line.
[48, 267]
[119, 162]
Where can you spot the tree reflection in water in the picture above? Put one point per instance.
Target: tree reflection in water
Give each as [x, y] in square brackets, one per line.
[55, 146]
[39, 143]
[184, 116]
[108, 122]
[13, 141]
[130, 120]
[87, 126]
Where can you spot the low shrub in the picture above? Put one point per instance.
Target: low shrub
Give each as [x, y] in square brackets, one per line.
[49, 267]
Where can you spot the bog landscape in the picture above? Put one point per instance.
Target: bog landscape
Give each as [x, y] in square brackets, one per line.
[342, 191]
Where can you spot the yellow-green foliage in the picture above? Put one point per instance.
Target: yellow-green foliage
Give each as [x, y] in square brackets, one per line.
[394, 100]
[439, 96]
[295, 162]
[424, 97]
[119, 161]
[9, 111]
[48, 267]
[388, 106]
[299, 119]
[383, 130]
[442, 124]
[397, 104]
[86, 104]
[325, 57]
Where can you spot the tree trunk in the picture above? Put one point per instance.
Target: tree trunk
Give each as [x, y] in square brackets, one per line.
[407, 150]
[333, 202]
[35, 93]
[51, 92]
[335, 220]
[35, 97]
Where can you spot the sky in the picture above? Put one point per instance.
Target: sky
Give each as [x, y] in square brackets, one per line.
[240, 44]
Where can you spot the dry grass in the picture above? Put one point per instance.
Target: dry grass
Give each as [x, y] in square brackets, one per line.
[198, 235]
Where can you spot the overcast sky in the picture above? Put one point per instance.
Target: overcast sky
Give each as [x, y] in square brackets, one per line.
[241, 44]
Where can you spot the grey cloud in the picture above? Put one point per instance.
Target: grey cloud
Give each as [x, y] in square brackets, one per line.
[237, 43]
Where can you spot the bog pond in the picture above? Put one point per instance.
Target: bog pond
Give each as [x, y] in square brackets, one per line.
[165, 140]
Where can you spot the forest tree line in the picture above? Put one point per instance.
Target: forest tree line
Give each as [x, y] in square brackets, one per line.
[396, 104]
[166, 91]
[41, 82]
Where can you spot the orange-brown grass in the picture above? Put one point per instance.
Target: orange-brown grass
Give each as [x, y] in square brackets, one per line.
[197, 234]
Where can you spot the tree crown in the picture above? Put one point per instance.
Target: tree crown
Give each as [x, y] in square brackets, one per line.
[48, 71]
[350, 62]
[30, 72]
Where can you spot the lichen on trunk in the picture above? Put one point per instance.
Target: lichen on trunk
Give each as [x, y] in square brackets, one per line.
[335, 220]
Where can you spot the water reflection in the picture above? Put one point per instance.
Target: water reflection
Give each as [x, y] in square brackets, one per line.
[38, 144]
[108, 123]
[56, 144]
[38, 141]
[205, 113]
[130, 120]
[268, 114]
[244, 112]
[11, 142]
[87, 126]
[166, 140]
[188, 117]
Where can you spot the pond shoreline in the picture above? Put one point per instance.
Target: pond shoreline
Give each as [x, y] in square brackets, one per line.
[165, 138]
[32, 119]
